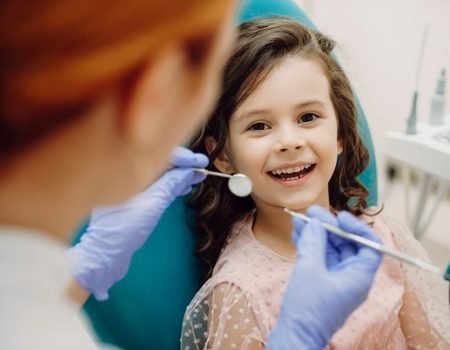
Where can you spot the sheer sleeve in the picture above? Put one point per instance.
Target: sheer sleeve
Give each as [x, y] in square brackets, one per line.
[417, 329]
[425, 314]
[223, 316]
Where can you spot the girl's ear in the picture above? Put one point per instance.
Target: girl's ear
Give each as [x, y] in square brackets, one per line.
[340, 147]
[222, 162]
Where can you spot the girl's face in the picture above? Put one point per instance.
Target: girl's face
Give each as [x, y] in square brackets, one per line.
[285, 137]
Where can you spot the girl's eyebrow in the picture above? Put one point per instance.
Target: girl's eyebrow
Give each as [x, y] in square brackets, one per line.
[247, 114]
[310, 103]
[250, 113]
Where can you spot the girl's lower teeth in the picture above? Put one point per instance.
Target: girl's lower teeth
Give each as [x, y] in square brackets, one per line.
[295, 177]
[292, 178]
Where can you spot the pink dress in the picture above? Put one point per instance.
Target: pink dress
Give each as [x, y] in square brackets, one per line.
[238, 306]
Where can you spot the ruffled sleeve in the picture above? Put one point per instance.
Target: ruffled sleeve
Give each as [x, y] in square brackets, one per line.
[224, 315]
[425, 314]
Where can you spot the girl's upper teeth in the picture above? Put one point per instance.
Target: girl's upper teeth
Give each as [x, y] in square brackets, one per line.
[290, 170]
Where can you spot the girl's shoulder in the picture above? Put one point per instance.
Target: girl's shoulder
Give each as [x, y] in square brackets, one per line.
[227, 306]
[425, 286]
[377, 218]
[224, 315]
[388, 227]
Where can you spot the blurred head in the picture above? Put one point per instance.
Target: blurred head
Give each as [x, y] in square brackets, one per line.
[285, 103]
[140, 76]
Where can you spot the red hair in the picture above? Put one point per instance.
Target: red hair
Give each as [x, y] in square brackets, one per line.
[58, 56]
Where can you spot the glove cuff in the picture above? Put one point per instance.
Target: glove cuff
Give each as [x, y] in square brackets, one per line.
[86, 274]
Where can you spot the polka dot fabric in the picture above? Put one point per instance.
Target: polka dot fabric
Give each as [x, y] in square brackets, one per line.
[238, 306]
[425, 315]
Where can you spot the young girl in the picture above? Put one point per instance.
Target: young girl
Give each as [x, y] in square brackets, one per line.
[287, 119]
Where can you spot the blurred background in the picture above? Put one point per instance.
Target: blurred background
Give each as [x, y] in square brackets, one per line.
[379, 46]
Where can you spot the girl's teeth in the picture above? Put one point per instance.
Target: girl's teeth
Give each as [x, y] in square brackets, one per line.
[291, 170]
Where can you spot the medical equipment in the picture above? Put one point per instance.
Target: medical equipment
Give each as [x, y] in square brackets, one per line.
[428, 151]
[377, 246]
[412, 119]
[239, 184]
[437, 110]
[424, 147]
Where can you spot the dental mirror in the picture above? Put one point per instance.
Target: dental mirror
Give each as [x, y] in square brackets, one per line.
[238, 184]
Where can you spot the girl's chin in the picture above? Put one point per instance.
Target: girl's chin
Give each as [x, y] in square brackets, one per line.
[297, 205]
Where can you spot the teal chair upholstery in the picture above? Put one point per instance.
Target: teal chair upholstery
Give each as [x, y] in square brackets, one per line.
[146, 308]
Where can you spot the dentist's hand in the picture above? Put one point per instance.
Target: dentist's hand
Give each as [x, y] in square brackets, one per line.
[104, 253]
[331, 278]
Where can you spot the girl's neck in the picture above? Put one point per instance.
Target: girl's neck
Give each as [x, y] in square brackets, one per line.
[273, 228]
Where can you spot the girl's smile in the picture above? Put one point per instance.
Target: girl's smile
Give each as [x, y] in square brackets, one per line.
[292, 175]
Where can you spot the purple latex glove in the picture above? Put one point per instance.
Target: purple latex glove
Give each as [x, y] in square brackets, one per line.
[114, 234]
[331, 278]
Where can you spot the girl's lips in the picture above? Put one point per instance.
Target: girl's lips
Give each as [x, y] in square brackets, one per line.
[291, 182]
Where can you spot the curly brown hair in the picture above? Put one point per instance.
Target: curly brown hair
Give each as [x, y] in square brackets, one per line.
[262, 44]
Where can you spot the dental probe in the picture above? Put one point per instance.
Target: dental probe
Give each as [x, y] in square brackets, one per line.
[239, 184]
[376, 246]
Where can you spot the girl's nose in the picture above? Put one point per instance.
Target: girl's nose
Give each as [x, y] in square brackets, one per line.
[289, 140]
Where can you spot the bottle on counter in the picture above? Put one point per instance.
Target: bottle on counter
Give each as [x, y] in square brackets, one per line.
[437, 111]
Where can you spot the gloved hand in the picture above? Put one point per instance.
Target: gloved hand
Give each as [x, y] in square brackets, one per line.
[104, 253]
[331, 278]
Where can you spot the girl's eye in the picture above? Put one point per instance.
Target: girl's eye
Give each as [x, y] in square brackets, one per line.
[258, 126]
[307, 117]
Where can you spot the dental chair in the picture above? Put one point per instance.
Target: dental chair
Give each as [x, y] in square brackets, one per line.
[146, 308]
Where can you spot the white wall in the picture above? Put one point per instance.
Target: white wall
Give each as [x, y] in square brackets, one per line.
[378, 45]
